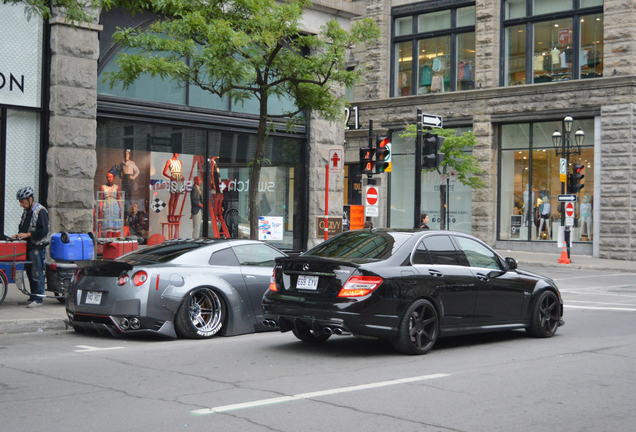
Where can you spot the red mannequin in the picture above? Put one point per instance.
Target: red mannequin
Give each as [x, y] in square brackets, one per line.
[173, 171]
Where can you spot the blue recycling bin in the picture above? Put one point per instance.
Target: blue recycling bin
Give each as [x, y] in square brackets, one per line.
[72, 247]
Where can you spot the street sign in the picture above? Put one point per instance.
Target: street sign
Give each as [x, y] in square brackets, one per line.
[566, 198]
[569, 221]
[371, 199]
[569, 210]
[432, 120]
[335, 160]
[563, 170]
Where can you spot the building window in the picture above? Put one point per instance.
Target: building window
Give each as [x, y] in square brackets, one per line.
[443, 44]
[548, 41]
[529, 183]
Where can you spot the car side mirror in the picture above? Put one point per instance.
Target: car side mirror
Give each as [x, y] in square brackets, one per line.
[511, 263]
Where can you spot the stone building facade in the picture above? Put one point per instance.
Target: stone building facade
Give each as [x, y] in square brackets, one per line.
[492, 107]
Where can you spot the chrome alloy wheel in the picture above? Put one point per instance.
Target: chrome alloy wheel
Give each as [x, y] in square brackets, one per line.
[205, 310]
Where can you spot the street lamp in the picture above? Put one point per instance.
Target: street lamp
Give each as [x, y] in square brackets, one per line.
[563, 146]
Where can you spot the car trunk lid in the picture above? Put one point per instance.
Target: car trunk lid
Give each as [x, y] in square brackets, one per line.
[310, 275]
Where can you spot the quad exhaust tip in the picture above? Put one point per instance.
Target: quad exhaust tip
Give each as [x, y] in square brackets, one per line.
[124, 323]
[270, 323]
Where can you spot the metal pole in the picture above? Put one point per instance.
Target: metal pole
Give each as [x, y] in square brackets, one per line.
[418, 170]
[447, 204]
[567, 169]
[326, 229]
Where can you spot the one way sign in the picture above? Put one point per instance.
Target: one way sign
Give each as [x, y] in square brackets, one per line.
[432, 120]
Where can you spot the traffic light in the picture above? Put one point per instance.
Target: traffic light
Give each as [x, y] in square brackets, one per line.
[383, 154]
[367, 162]
[574, 179]
[431, 156]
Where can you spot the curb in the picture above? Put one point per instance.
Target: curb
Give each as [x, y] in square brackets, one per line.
[32, 325]
[577, 266]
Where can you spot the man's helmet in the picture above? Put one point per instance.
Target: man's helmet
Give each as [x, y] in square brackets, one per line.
[24, 193]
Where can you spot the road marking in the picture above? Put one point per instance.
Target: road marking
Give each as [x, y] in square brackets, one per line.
[602, 303]
[603, 294]
[594, 276]
[301, 396]
[88, 348]
[600, 308]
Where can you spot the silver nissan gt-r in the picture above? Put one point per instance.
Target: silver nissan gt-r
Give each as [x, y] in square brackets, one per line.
[182, 288]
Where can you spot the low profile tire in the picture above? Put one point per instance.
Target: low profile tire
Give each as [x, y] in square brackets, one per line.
[419, 328]
[306, 334]
[545, 315]
[201, 314]
[78, 329]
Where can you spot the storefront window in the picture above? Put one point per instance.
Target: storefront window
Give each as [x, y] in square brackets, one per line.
[515, 55]
[466, 61]
[529, 183]
[404, 68]
[434, 65]
[150, 178]
[445, 43]
[552, 58]
[591, 54]
[559, 50]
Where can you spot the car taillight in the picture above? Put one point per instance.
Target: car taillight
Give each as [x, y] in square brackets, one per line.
[140, 278]
[122, 279]
[272, 282]
[359, 286]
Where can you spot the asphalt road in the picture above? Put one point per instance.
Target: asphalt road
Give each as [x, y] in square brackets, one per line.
[583, 379]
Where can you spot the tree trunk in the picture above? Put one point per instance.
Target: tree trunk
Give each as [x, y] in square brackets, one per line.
[442, 206]
[255, 173]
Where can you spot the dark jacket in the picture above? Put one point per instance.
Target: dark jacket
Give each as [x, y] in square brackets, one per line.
[196, 200]
[424, 226]
[41, 226]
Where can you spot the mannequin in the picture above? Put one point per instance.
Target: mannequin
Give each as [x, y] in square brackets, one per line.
[109, 207]
[129, 172]
[196, 207]
[173, 170]
[586, 218]
[527, 194]
[544, 211]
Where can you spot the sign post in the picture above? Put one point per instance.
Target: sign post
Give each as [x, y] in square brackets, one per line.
[371, 199]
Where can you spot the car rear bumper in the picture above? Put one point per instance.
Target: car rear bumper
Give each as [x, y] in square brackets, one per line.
[112, 325]
[342, 321]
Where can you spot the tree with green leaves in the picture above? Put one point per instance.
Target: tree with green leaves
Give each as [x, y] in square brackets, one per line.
[241, 49]
[458, 162]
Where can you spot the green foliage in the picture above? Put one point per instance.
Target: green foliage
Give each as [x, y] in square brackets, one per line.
[456, 156]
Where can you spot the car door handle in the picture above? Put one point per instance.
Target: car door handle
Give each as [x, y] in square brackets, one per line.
[482, 277]
[435, 273]
[249, 276]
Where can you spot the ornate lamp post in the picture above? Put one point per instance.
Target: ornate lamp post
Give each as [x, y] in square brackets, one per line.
[563, 146]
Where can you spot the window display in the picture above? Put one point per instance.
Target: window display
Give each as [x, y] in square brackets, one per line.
[434, 65]
[403, 66]
[530, 183]
[552, 58]
[166, 183]
[591, 54]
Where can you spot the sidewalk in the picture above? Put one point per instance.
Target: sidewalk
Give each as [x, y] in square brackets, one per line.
[15, 318]
[585, 262]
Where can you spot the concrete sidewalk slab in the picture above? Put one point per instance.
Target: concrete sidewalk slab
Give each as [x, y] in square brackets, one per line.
[16, 318]
[586, 262]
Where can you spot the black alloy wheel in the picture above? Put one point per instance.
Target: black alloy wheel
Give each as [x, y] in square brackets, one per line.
[306, 334]
[419, 328]
[201, 314]
[545, 315]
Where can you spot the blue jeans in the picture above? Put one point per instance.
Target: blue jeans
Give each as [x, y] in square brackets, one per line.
[35, 272]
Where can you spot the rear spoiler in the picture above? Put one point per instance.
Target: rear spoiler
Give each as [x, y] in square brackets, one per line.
[105, 265]
[337, 261]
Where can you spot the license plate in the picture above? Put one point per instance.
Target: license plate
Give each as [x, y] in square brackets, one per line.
[93, 297]
[307, 282]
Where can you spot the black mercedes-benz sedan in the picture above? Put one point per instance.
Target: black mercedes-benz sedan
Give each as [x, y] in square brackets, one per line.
[409, 287]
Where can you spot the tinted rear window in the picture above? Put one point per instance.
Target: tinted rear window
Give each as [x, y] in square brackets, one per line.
[161, 253]
[361, 244]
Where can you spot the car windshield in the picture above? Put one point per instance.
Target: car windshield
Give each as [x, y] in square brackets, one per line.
[361, 244]
[161, 253]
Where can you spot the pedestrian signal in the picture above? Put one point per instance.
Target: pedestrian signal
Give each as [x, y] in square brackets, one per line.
[367, 161]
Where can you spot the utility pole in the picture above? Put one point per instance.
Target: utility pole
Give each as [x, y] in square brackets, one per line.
[418, 171]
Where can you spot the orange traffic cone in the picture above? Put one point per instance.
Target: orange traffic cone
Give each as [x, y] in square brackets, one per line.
[563, 259]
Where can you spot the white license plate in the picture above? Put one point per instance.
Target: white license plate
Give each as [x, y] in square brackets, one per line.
[307, 282]
[93, 297]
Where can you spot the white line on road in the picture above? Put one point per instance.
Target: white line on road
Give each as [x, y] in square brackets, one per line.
[594, 276]
[88, 348]
[602, 303]
[300, 396]
[600, 308]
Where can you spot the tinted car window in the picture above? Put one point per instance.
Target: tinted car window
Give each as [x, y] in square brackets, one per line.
[361, 244]
[421, 255]
[224, 257]
[256, 255]
[161, 253]
[443, 251]
[477, 254]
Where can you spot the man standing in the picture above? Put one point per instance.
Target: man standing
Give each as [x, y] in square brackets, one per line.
[34, 228]
[196, 204]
